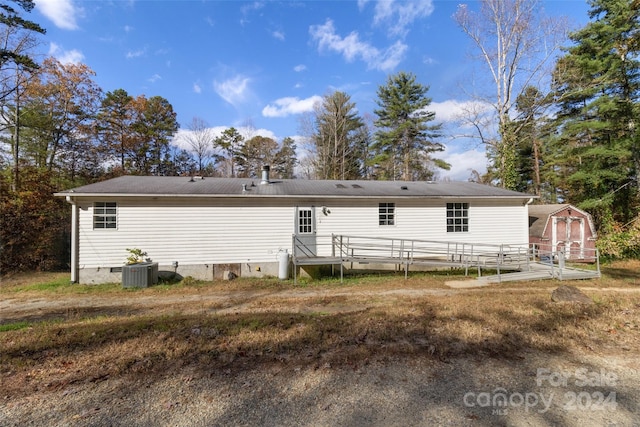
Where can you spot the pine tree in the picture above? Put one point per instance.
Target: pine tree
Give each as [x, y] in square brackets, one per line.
[253, 154]
[229, 144]
[286, 159]
[405, 140]
[597, 86]
[336, 138]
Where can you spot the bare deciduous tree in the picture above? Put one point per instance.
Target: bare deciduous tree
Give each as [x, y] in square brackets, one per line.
[516, 43]
[200, 137]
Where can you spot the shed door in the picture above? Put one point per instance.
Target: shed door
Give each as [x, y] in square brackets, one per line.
[568, 236]
[305, 231]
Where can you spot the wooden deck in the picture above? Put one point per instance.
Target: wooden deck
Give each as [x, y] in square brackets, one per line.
[518, 261]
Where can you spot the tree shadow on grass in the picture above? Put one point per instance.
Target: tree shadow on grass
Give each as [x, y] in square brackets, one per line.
[271, 368]
[627, 274]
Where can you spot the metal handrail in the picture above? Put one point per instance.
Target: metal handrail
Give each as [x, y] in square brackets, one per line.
[401, 251]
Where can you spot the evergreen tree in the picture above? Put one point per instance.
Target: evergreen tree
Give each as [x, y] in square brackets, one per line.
[528, 128]
[285, 159]
[336, 138]
[155, 126]
[597, 86]
[229, 144]
[405, 139]
[255, 153]
[17, 40]
[114, 127]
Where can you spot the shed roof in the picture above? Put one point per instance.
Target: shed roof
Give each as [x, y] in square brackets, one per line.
[154, 186]
[539, 215]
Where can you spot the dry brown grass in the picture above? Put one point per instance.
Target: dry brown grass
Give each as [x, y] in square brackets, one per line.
[319, 324]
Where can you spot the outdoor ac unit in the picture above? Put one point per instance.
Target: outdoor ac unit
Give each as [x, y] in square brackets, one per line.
[140, 275]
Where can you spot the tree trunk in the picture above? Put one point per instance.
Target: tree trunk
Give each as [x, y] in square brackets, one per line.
[15, 185]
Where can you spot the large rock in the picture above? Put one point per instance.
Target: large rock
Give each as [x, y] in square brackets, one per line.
[570, 294]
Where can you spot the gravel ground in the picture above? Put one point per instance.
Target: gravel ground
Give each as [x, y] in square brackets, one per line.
[381, 393]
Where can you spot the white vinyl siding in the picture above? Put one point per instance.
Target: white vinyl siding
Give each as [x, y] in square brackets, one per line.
[490, 222]
[211, 231]
[191, 232]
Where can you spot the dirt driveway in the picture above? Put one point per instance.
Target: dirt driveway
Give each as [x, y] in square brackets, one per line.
[397, 381]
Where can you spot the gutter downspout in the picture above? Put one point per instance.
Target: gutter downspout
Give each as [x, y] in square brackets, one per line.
[531, 255]
[74, 239]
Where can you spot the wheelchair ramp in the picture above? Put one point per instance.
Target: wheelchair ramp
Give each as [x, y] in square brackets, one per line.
[542, 271]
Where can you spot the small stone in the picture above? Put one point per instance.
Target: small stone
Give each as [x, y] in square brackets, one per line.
[567, 293]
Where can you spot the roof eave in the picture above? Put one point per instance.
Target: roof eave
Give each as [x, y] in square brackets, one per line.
[286, 196]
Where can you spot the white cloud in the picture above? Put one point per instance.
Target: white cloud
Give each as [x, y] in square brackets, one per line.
[399, 14]
[72, 56]
[299, 68]
[429, 61]
[197, 88]
[154, 78]
[284, 107]
[463, 163]
[135, 53]
[62, 13]
[128, 28]
[456, 116]
[180, 139]
[252, 7]
[278, 35]
[234, 90]
[454, 111]
[352, 48]
[249, 8]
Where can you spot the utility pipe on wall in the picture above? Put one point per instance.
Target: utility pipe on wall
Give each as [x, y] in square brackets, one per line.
[74, 239]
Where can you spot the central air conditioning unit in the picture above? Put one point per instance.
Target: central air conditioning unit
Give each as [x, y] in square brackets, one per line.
[140, 275]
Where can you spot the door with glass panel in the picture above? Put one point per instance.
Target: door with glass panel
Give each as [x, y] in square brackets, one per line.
[305, 231]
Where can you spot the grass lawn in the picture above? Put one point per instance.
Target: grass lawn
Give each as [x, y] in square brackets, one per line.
[53, 333]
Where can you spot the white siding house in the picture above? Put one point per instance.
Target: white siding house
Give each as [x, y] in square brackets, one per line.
[205, 226]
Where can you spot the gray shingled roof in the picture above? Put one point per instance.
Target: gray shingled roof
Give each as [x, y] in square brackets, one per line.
[234, 187]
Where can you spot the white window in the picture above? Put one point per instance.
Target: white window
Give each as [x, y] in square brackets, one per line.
[104, 215]
[457, 217]
[305, 221]
[386, 213]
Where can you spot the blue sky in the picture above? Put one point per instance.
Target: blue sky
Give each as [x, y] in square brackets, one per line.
[263, 64]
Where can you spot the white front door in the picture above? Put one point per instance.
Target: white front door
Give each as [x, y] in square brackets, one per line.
[305, 231]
